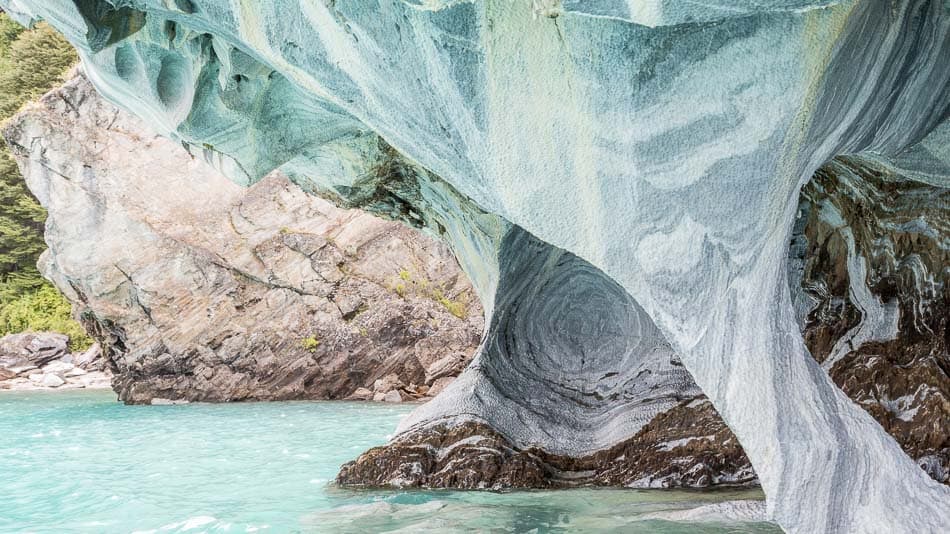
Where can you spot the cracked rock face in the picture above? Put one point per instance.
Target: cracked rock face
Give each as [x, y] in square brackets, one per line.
[663, 145]
[203, 291]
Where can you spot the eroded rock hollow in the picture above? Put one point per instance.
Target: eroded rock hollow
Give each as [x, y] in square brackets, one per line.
[651, 153]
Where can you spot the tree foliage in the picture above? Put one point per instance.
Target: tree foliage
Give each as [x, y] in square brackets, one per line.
[44, 309]
[32, 61]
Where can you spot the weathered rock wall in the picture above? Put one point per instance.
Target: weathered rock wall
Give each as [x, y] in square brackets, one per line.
[205, 291]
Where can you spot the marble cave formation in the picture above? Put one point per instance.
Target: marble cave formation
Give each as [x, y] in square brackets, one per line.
[621, 181]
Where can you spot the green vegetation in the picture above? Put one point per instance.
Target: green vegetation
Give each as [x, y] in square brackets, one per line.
[310, 343]
[31, 63]
[420, 286]
[455, 307]
[400, 290]
[43, 310]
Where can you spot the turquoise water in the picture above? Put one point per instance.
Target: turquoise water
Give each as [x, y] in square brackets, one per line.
[81, 462]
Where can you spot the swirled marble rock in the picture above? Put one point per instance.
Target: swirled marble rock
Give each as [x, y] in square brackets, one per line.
[867, 240]
[875, 284]
[665, 145]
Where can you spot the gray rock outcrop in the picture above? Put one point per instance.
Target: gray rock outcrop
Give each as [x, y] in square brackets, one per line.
[201, 290]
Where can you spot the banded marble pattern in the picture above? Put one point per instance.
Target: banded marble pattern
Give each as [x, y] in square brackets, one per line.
[665, 146]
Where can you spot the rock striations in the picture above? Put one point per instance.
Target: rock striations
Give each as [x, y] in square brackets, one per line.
[620, 183]
[200, 290]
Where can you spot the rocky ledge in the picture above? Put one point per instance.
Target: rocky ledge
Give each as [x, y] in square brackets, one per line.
[687, 446]
[42, 360]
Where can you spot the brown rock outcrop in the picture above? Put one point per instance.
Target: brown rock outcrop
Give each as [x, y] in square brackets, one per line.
[877, 272]
[687, 446]
[201, 290]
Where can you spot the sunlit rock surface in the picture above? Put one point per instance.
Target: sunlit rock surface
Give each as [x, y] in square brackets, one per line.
[662, 145]
[202, 290]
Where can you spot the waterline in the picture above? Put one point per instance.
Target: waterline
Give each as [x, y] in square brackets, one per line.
[81, 462]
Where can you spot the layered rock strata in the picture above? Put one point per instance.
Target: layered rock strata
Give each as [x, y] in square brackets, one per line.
[200, 290]
[663, 145]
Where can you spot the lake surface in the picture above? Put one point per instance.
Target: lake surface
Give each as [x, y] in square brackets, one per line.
[81, 462]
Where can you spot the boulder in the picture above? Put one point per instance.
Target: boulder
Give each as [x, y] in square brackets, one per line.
[51, 381]
[394, 396]
[58, 367]
[88, 359]
[387, 383]
[19, 351]
[361, 394]
[450, 365]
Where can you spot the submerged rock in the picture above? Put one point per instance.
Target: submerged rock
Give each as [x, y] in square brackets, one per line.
[686, 446]
[200, 290]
